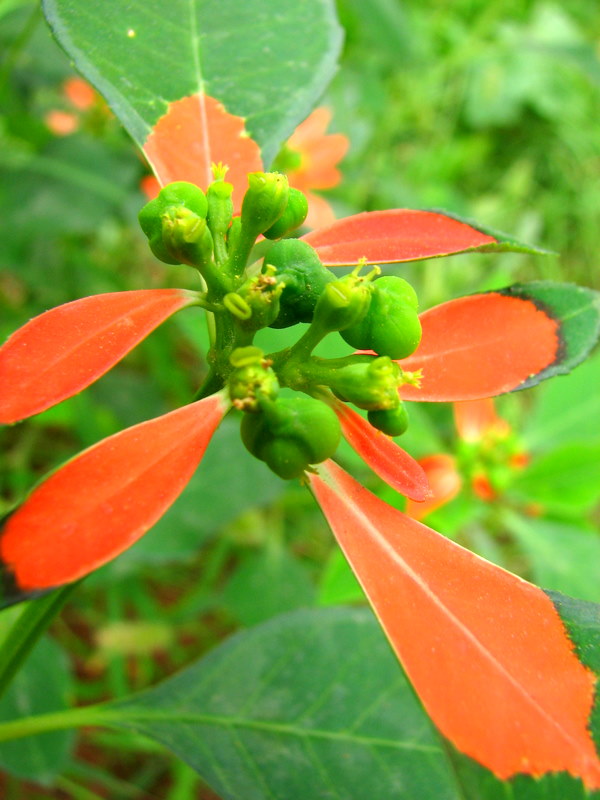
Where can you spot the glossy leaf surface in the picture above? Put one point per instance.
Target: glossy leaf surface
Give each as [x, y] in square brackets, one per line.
[487, 344]
[62, 351]
[303, 723]
[102, 501]
[486, 652]
[386, 458]
[387, 237]
[202, 70]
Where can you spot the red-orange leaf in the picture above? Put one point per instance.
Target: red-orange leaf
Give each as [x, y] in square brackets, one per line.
[384, 237]
[102, 501]
[393, 464]
[486, 651]
[480, 346]
[196, 132]
[65, 349]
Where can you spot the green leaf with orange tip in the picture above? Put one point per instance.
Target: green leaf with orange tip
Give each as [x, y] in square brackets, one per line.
[203, 80]
[582, 620]
[60, 352]
[99, 503]
[396, 235]
[487, 344]
[486, 651]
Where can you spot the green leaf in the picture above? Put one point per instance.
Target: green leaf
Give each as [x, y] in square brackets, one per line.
[479, 784]
[566, 480]
[267, 583]
[566, 410]
[309, 705]
[564, 557]
[265, 62]
[338, 584]
[42, 685]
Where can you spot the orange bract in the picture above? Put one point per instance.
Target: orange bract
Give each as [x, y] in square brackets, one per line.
[102, 501]
[445, 482]
[79, 93]
[486, 651]
[61, 123]
[196, 132]
[463, 357]
[319, 153]
[476, 418]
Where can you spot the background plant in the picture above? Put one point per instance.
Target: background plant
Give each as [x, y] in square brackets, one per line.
[91, 252]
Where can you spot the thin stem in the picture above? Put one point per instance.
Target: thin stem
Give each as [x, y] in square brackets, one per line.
[56, 721]
[28, 628]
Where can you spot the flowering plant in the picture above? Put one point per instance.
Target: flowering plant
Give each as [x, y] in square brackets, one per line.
[481, 647]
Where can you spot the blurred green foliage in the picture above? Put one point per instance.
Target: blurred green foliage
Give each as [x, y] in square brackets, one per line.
[486, 109]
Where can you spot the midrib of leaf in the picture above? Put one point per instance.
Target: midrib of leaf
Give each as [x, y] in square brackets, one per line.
[124, 716]
[111, 716]
[468, 634]
[205, 132]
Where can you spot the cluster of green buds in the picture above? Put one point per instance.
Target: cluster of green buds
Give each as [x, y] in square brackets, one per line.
[253, 278]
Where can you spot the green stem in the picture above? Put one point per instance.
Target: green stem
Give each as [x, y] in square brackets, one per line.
[31, 624]
[19, 43]
[56, 721]
[241, 251]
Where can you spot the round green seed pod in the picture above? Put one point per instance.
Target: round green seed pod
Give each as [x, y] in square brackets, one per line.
[391, 326]
[392, 421]
[304, 278]
[293, 216]
[285, 457]
[291, 433]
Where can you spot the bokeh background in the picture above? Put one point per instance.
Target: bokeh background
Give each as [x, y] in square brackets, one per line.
[486, 109]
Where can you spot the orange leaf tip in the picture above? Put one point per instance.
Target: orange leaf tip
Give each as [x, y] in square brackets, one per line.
[195, 132]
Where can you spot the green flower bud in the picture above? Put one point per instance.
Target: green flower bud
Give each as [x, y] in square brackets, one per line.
[344, 301]
[293, 216]
[220, 207]
[175, 224]
[252, 379]
[264, 202]
[391, 327]
[372, 385]
[391, 421]
[291, 433]
[262, 295]
[303, 277]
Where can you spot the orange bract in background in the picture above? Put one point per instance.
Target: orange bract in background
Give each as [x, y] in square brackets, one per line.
[319, 152]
